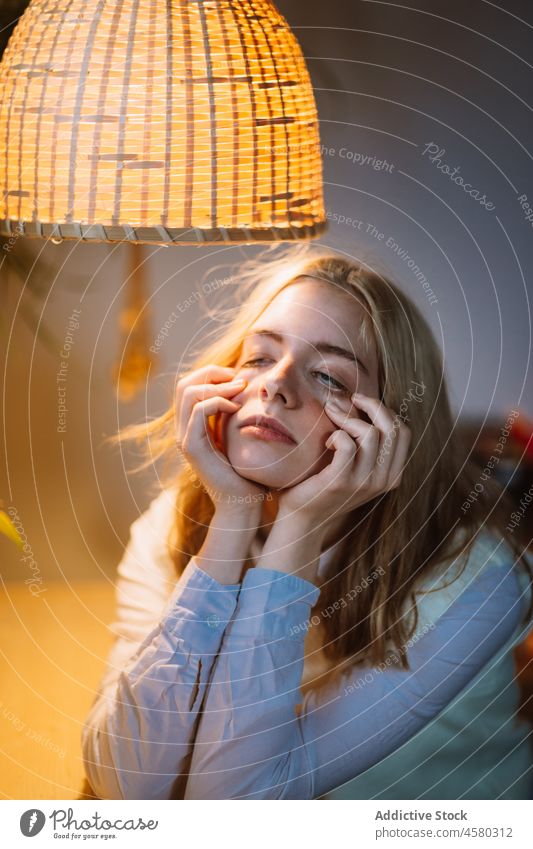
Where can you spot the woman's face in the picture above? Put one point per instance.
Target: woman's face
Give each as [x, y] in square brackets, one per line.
[291, 376]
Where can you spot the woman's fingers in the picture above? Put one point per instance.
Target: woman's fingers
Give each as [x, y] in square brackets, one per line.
[345, 452]
[394, 447]
[365, 453]
[191, 395]
[210, 373]
[198, 436]
[379, 414]
[400, 457]
[379, 455]
[202, 394]
[355, 427]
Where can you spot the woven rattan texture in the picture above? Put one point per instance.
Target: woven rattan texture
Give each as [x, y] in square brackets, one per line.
[153, 121]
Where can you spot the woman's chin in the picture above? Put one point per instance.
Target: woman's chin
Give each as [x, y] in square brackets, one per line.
[272, 474]
[263, 477]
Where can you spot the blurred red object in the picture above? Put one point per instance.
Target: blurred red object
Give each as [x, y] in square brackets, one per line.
[523, 435]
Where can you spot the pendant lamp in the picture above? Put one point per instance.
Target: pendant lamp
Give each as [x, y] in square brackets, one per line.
[168, 122]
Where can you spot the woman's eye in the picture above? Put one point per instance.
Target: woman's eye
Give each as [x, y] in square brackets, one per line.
[252, 362]
[335, 383]
[332, 384]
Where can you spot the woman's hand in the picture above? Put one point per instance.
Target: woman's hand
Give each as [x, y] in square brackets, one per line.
[359, 471]
[368, 460]
[203, 393]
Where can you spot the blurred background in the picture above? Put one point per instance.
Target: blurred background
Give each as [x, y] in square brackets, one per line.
[395, 85]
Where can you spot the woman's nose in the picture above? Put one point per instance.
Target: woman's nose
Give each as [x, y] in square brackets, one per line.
[269, 389]
[276, 380]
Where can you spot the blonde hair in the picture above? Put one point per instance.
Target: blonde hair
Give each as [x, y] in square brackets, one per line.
[390, 542]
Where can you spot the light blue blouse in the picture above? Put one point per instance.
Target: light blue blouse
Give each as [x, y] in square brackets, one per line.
[209, 704]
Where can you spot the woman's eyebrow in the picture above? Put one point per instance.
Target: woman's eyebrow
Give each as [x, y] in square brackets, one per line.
[322, 347]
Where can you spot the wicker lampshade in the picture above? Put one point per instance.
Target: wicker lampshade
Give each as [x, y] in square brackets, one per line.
[177, 122]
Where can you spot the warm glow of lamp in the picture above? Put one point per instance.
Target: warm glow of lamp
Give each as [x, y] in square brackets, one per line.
[184, 122]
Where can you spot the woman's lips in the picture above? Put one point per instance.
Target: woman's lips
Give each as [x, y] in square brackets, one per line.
[265, 433]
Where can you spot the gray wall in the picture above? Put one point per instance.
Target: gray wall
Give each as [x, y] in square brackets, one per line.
[389, 81]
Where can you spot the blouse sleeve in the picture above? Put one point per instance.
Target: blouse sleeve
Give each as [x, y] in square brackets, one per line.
[138, 735]
[258, 739]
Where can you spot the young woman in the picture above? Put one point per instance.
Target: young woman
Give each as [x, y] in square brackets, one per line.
[314, 606]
